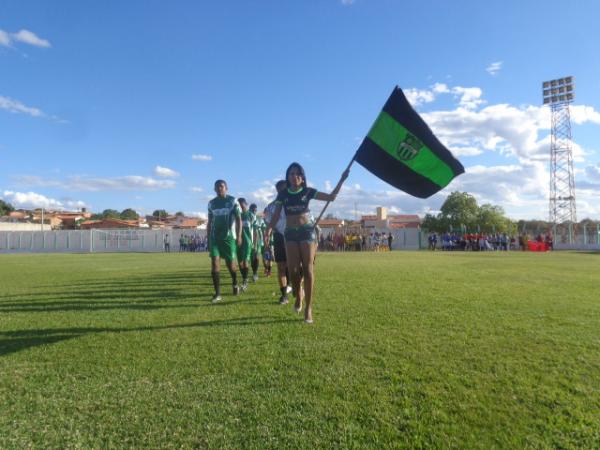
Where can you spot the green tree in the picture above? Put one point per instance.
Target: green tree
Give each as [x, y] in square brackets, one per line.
[5, 208]
[129, 214]
[110, 214]
[431, 223]
[460, 210]
[160, 214]
[179, 214]
[491, 219]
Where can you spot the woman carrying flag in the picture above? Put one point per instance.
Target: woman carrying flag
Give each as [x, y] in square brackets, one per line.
[300, 236]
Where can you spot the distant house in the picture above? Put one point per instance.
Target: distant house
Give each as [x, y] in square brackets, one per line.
[104, 224]
[176, 222]
[330, 226]
[383, 220]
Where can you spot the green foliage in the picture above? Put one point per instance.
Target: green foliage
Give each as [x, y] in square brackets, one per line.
[129, 214]
[461, 212]
[111, 214]
[5, 208]
[179, 214]
[160, 214]
[408, 350]
[460, 209]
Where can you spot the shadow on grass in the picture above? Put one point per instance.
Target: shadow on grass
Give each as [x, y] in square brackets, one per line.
[146, 292]
[18, 340]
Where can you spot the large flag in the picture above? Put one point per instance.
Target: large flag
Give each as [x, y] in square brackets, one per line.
[401, 150]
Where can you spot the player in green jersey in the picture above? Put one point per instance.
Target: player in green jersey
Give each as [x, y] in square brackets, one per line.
[224, 232]
[248, 240]
[267, 247]
[259, 227]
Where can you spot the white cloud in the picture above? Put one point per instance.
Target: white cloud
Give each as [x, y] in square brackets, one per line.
[23, 36]
[506, 129]
[581, 114]
[440, 88]
[593, 172]
[35, 200]
[465, 151]
[30, 38]
[347, 2]
[417, 97]
[494, 68]
[165, 172]
[470, 98]
[200, 157]
[199, 214]
[95, 184]
[4, 39]
[196, 189]
[16, 107]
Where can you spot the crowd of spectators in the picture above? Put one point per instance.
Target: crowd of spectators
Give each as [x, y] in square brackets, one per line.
[471, 242]
[342, 241]
[485, 242]
[193, 243]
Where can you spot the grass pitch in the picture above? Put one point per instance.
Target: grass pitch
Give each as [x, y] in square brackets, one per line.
[408, 350]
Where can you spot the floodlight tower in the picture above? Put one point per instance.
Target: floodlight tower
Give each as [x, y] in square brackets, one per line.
[559, 94]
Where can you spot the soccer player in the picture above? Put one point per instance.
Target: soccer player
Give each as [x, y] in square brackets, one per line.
[279, 245]
[258, 245]
[267, 253]
[248, 240]
[300, 236]
[224, 231]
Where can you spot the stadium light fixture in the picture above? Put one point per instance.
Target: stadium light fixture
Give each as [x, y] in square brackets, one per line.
[560, 90]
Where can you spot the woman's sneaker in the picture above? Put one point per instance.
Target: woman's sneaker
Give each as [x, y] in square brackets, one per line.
[236, 289]
[216, 298]
[283, 300]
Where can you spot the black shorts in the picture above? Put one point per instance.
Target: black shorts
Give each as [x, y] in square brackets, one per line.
[279, 246]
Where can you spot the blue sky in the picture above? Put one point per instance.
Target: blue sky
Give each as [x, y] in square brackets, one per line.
[144, 104]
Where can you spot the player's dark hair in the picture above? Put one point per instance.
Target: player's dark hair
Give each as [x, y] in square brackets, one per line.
[300, 169]
[281, 184]
[219, 182]
[253, 206]
[242, 200]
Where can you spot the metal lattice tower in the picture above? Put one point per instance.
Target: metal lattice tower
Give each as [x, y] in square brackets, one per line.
[559, 94]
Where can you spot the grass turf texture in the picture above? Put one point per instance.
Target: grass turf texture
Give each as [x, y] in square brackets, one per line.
[492, 350]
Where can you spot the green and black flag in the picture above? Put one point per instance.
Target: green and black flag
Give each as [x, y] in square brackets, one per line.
[401, 150]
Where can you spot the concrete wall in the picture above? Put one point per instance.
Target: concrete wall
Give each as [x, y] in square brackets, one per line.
[17, 226]
[94, 241]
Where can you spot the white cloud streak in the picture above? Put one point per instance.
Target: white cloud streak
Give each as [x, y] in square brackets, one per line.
[165, 172]
[16, 107]
[494, 68]
[200, 157]
[35, 200]
[97, 184]
[23, 36]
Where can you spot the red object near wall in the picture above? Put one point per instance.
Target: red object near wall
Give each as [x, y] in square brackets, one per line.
[537, 246]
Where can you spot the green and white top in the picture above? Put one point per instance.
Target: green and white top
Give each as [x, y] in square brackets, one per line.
[248, 225]
[222, 212]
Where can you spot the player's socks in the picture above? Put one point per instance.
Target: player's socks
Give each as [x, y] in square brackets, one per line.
[254, 266]
[216, 277]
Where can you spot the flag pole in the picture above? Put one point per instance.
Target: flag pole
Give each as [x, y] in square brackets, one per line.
[338, 185]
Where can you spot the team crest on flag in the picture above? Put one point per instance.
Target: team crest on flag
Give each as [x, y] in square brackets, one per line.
[409, 147]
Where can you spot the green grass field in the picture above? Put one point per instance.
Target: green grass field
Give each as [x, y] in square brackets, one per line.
[408, 350]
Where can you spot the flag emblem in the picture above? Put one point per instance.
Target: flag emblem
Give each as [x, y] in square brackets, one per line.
[409, 147]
